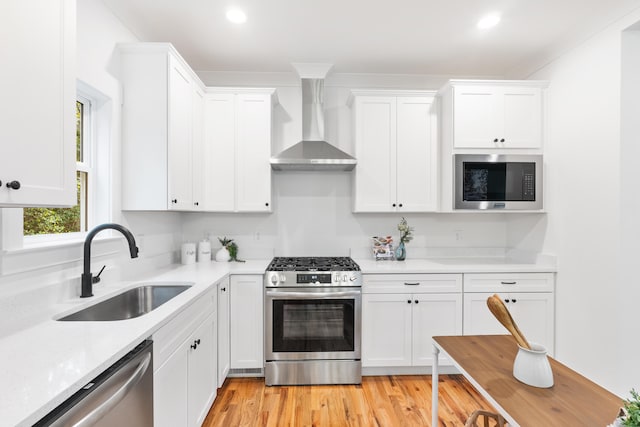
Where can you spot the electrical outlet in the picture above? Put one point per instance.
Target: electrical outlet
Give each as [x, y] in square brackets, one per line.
[458, 235]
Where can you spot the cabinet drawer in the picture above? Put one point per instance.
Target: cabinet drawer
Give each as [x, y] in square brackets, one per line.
[411, 283]
[509, 282]
[168, 338]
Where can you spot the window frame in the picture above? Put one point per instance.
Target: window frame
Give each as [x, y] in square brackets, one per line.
[85, 165]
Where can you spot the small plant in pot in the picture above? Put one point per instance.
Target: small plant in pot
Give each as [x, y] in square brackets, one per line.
[228, 252]
[630, 414]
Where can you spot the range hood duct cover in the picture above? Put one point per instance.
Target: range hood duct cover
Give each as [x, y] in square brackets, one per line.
[313, 152]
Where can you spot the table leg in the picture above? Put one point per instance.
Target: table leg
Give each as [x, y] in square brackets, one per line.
[434, 388]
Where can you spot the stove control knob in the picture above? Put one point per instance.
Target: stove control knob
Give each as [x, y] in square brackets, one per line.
[344, 278]
[274, 278]
[353, 278]
[283, 278]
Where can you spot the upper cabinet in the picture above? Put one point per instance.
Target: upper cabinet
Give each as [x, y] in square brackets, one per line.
[237, 141]
[38, 86]
[187, 147]
[162, 107]
[396, 146]
[493, 114]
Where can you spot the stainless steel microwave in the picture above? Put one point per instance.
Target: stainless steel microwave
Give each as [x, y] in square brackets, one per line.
[498, 181]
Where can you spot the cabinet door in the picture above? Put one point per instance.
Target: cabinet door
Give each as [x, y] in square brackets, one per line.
[434, 314]
[386, 330]
[170, 391]
[202, 383]
[375, 148]
[417, 156]
[179, 144]
[223, 331]
[37, 106]
[247, 322]
[253, 145]
[197, 142]
[533, 312]
[220, 152]
[476, 115]
[522, 117]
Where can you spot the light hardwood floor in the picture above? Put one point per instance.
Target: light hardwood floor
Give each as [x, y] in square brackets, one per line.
[383, 401]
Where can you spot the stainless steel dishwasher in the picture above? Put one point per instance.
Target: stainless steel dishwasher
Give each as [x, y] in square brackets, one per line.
[120, 396]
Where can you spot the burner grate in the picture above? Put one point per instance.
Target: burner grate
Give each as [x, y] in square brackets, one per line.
[313, 264]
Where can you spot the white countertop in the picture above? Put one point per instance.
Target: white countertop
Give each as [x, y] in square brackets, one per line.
[454, 265]
[43, 365]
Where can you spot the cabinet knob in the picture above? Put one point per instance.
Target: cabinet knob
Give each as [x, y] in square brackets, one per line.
[495, 140]
[14, 185]
[408, 301]
[198, 341]
[400, 205]
[502, 140]
[194, 346]
[223, 289]
[416, 301]
[506, 300]
[174, 200]
[267, 204]
[513, 300]
[394, 205]
[196, 203]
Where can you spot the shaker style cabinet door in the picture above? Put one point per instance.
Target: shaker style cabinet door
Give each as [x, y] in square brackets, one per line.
[37, 106]
[386, 330]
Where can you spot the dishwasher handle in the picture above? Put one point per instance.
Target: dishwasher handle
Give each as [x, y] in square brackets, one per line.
[115, 398]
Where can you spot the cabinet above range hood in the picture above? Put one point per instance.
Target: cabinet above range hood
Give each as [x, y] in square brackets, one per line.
[313, 153]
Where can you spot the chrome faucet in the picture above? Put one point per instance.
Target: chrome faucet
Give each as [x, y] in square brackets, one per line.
[87, 278]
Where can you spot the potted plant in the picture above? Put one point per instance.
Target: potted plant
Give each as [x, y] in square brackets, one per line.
[630, 414]
[228, 252]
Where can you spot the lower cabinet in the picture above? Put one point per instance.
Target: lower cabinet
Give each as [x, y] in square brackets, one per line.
[223, 331]
[246, 306]
[529, 297]
[185, 365]
[397, 327]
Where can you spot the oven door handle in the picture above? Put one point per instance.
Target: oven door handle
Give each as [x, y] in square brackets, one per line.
[308, 295]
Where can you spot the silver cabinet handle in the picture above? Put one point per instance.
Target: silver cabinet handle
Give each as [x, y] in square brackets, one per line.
[508, 283]
[412, 284]
[92, 417]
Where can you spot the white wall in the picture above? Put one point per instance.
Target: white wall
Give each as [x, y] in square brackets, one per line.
[583, 196]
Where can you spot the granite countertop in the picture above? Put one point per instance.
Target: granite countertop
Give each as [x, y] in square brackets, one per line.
[44, 364]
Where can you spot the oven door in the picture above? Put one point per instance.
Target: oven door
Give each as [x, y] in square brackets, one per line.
[312, 323]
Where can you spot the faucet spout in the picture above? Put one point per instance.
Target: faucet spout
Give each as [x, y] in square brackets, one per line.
[87, 278]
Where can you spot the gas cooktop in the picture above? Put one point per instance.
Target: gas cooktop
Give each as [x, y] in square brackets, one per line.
[313, 271]
[313, 264]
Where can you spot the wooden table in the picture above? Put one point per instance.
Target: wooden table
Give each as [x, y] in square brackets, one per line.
[487, 362]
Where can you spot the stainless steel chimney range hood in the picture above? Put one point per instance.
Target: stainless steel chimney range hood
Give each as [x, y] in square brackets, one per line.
[313, 152]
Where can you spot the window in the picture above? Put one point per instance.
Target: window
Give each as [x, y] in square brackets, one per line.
[38, 221]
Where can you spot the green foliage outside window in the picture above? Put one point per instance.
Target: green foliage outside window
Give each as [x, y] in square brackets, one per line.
[60, 220]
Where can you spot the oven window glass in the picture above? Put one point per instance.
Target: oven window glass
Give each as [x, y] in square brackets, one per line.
[313, 325]
[498, 182]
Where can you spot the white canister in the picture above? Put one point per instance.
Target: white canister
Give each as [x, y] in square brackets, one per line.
[204, 251]
[532, 367]
[188, 253]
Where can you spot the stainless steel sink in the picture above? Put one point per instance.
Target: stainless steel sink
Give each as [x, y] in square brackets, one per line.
[129, 304]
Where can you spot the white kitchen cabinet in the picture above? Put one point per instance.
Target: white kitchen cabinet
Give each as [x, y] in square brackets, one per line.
[495, 114]
[401, 313]
[223, 331]
[246, 305]
[38, 86]
[184, 358]
[528, 296]
[161, 129]
[396, 146]
[238, 148]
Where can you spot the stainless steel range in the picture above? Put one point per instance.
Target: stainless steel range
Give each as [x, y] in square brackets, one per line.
[313, 321]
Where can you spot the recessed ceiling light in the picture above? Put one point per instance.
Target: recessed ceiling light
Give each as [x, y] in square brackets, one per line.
[236, 16]
[489, 21]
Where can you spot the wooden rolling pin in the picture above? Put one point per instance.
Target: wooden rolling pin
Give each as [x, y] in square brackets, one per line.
[501, 312]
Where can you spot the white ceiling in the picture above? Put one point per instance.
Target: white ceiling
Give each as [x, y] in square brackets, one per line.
[434, 37]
